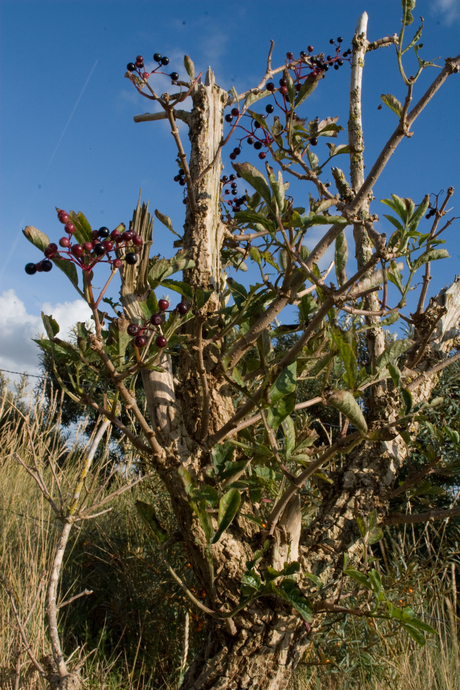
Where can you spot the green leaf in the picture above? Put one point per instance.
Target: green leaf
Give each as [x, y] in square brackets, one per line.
[394, 373]
[361, 525]
[51, 326]
[255, 178]
[407, 6]
[37, 237]
[277, 414]
[359, 577]
[417, 216]
[313, 219]
[345, 402]
[394, 276]
[285, 383]
[415, 633]
[314, 579]
[119, 341]
[290, 591]
[375, 581]
[189, 67]
[307, 88]
[179, 286]
[375, 535]
[393, 351]
[392, 103]
[253, 97]
[166, 222]
[83, 231]
[228, 508]
[250, 582]
[341, 258]
[348, 358]
[289, 435]
[432, 255]
[290, 87]
[407, 399]
[398, 205]
[147, 514]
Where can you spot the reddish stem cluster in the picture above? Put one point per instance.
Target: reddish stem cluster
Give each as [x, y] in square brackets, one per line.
[141, 333]
[138, 66]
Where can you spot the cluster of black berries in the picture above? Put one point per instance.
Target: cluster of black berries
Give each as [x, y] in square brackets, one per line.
[431, 213]
[235, 203]
[141, 334]
[139, 65]
[180, 177]
[88, 254]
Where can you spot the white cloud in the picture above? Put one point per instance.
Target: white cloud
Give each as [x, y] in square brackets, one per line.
[18, 352]
[449, 9]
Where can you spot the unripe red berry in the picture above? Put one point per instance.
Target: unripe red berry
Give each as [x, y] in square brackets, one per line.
[108, 245]
[310, 49]
[283, 90]
[140, 341]
[289, 55]
[156, 319]
[161, 341]
[70, 228]
[77, 250]
[63, 217]
[128, 235]
[64, 242]
[114, 234]
[88, 246]
[262, 155]
[138, 241]
[133, 329]
[163, 304]
[139, 58]
[117, 263]
[145, 76]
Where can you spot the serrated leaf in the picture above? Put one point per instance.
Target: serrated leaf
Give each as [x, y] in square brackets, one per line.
[166, 222]
[393, 351]
[228, 508]
[392, 103]
[345, 402]
[255, 178]
[147, 514]
[189, 67]
[341, 258]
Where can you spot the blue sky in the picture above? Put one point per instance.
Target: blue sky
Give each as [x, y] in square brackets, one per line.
[68, 138]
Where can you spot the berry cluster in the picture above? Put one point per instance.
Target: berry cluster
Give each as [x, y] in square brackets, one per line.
[180, 177]
[256, 133]
[142, 334]
[431, 213]
[235, 203]
[138, 66]
[91, 252]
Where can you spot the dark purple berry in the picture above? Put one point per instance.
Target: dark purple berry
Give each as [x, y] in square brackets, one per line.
[30, 269]
[161, 341]
[313, 141]
[140, 341]
[182, 308]
[258, 145]
[224, 179]
[165, 61]
[283, 81]
[157, 57]
[270, 86]
[46, 265]
[232, 177]
[174, 76]
[131, 258]
[250, 140]
[331, 41]
[51, 250]
[340, 39]
[133, 329]
[232, 157]
[269, 108]
[156, 319]
[235, 112]
[163, 304]
[103, 232]
[237, 151]
[130, 66]
[340, 63]
[228, 118]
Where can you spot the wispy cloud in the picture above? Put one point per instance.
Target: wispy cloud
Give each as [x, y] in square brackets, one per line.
[448, 9]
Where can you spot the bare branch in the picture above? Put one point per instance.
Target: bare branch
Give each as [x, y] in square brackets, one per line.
[429, 516]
